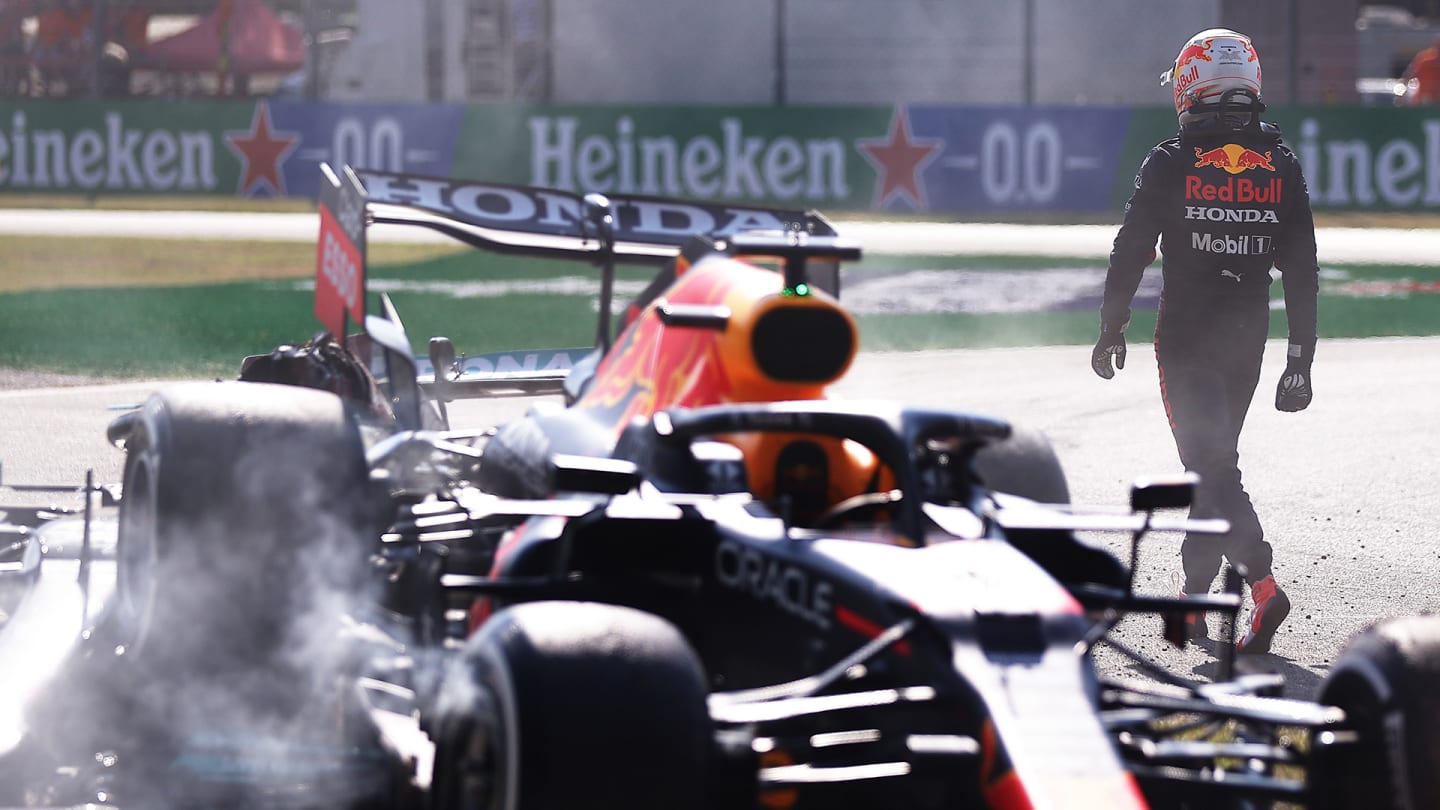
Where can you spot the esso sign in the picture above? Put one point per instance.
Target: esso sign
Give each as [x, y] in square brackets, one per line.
[341, 270]
[339, 287]
[340, 259]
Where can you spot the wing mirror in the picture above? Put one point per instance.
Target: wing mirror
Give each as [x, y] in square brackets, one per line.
[603, 476]
[1150, 494]
[1171, 492]
[600, 218]
[442, 360]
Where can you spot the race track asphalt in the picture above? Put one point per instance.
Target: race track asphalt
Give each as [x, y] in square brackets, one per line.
[1345, 489]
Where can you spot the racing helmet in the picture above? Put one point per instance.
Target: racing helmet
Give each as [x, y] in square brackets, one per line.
[1216, 75]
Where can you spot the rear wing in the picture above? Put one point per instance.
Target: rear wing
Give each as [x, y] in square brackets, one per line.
[560, 224]
[523, 221]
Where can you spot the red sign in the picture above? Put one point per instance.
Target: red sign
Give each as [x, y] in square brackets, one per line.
[340, 254]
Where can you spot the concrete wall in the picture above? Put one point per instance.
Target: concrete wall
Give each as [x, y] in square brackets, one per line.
[953, 52]
[1308, 47]
[919, 51]
[824, 52]
[1082, 52]
[1112, 52]
[672, 52]
[385, 61]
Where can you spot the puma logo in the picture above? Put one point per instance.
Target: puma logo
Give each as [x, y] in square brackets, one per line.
[1229, 274]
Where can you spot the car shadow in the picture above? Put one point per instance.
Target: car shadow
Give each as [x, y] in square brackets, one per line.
[1300, 682]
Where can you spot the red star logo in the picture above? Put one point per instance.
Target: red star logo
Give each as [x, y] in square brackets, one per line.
[899, 159]
[261, 151]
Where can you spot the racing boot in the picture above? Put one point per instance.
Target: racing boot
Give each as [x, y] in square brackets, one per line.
[1271, 608]
[1194, 627]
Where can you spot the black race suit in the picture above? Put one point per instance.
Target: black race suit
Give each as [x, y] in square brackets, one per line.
[1226, 206]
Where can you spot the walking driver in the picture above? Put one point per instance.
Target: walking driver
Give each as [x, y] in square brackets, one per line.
[1227, 200]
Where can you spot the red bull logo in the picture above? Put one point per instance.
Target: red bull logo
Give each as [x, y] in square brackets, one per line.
[1195, 50]
[1234, 189]
[1184, 80]
[1233, 158]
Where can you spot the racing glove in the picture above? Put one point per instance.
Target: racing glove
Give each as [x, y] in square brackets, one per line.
[1294, 393]
[1110, 345]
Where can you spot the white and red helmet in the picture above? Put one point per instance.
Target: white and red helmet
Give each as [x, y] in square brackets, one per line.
[1215, 64]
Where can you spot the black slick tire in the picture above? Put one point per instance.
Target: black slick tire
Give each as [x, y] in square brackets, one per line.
[243, 509]
[573, 706]
[1024, 464]
[1387, 680]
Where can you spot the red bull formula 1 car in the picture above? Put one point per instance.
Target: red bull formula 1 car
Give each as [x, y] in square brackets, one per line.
[686, 577]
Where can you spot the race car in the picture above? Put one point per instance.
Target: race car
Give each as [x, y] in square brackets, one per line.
[687, 576]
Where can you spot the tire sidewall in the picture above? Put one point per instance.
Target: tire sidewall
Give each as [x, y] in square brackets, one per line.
[1387, 680]
[572, 710]
[243, 499]
[1024, 464]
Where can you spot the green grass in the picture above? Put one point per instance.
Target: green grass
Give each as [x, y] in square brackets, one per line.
[152, 202]
[1355, 302]
[205, 329]
[949, 331]
[134, 308]
[44, 262]
[159, 331]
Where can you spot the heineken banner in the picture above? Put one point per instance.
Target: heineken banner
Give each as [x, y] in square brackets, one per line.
[910, 159]
[901, 159]
[246, 149]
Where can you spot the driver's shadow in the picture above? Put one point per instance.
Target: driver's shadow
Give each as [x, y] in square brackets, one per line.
[1300, 682]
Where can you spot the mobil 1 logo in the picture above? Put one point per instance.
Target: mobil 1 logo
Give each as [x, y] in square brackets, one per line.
[1229, 245]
